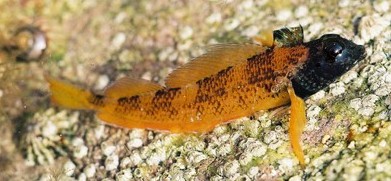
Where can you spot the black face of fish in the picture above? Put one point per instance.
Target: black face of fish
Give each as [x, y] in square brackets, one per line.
[329, 57]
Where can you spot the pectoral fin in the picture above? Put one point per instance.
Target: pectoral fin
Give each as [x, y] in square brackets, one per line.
[296, 124]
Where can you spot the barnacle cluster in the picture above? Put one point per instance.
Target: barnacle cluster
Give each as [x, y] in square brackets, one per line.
[45, 135]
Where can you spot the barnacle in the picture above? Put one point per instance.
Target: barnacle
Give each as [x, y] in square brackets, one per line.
[46, 134]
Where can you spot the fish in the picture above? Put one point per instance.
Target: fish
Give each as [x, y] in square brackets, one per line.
[229, 81]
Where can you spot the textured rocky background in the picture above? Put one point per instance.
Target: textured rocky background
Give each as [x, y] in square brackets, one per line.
[91, 43]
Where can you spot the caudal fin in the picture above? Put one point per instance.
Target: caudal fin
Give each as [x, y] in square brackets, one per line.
[68, 95]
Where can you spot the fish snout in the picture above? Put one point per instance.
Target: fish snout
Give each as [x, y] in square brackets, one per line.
[361, 50]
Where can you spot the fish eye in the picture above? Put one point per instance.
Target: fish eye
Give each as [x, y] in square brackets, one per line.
[333, 49]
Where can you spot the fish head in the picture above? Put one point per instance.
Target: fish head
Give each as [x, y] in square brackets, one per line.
[329, 57]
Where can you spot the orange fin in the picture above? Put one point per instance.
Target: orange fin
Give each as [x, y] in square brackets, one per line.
[296, 124]
[217, 58]
[68, 95]
[127, 86]
[290, 36]
[265, 38]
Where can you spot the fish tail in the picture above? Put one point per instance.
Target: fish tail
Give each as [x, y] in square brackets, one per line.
[70, 96]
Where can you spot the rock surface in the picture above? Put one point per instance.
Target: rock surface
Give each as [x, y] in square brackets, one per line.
[348, 134]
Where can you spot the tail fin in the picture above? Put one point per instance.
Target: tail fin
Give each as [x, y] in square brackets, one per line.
[68, 95]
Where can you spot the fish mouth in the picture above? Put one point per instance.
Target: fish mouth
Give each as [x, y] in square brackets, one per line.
[361, 51]
[358, 53]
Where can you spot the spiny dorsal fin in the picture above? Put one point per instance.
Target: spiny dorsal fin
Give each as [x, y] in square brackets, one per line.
[127, 86]
[288, 36]
[217, 58]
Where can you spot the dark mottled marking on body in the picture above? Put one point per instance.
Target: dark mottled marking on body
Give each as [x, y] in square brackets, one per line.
[220, 91]
[260, 68]
[134, 102]
[224, 72]
[162, 94]
[122, 101]
[212, 86]
[125, 104]
[97, 100]
[218, 108]
[162, 101]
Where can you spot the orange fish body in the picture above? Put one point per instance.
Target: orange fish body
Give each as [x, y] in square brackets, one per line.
[228, 82]
[233, 92]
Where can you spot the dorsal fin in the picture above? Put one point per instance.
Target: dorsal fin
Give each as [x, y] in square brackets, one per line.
[217, 58]
[288, 36]
[265, 38]
[127, 86]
